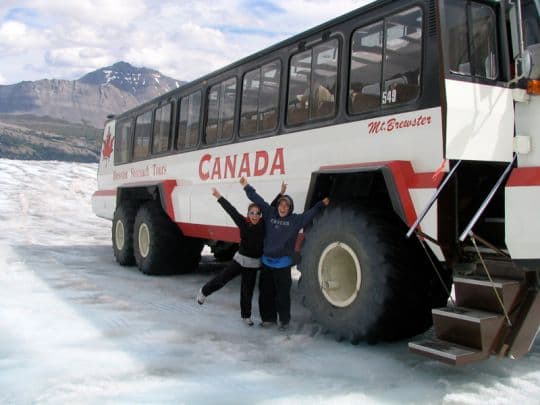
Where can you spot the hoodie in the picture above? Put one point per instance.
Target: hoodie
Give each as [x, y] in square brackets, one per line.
[281, 232]
[251, 236]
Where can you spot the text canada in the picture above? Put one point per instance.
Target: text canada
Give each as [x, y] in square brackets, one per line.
[259, 163]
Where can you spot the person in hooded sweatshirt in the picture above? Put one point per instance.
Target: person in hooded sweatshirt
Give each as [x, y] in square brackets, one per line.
[281, 230]
[246, 261]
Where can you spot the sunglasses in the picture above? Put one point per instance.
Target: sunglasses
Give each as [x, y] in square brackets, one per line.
[258, 213]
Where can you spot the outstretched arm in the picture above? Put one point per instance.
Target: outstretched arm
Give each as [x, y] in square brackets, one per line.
[254, 197]
[308, 216]
[238, 218]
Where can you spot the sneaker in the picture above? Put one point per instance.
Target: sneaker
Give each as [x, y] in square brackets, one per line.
[265, 324]
[247, 321]
[200, 297]
[283, 326]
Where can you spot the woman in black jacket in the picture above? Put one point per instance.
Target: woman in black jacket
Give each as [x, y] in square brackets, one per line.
[246, 261]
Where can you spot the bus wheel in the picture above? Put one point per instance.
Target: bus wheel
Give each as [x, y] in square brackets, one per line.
[224, 251]
[360, 277]
[122, 234]
[190, 254]
[159, 246]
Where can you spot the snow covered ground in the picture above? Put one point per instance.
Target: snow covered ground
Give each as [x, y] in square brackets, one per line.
[77, 328]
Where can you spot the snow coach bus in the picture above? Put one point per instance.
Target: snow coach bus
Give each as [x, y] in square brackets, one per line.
[418, 119]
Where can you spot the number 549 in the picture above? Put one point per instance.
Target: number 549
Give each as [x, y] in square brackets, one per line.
[389, 96]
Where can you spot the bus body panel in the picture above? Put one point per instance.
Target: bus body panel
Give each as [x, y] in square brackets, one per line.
[291, 157]
[104, 200]
[523, 220]
[522, 192]
[480, 121]
[527, 114]
[106, 163]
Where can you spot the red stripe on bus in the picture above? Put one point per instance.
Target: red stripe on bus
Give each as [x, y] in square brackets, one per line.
[168, 187]
[524, 177]
[403, 173]
[103, 193]
[405, 178]
[225, 233]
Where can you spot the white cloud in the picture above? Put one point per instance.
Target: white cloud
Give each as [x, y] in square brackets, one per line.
[181, 39]
[16, 37]
[77, 57]
[2, 79]
[119, 13]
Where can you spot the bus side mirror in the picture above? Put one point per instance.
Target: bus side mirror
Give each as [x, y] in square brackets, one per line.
[531, 62]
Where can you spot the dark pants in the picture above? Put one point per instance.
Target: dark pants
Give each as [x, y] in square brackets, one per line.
[248, 276]
[275, 294]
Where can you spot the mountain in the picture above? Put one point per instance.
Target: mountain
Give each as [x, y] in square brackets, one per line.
[62, 119]
[88, 100]
[27, 137]
[144, 84]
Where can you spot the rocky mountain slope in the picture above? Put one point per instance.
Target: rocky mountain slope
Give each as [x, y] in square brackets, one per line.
[53, 119]
[90, 99]
[31, 138]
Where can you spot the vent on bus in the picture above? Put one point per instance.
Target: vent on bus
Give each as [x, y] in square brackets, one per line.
[432, 19]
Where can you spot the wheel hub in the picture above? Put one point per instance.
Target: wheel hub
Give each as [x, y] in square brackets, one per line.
[119, 235]
[144, 240]
[339, 274]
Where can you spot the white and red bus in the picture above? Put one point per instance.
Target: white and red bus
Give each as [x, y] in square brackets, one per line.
[418, 118]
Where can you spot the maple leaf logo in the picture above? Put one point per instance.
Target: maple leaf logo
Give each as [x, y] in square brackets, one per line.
[107, 148]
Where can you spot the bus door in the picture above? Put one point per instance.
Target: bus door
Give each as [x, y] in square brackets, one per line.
[479, 105]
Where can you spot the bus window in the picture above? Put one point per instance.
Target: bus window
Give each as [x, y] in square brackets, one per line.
[250, 103]
[366, 67]
[313, 83]
[121, 141]
[143, 125]
[260, 98]
[299, 88]
[402, 57]
[460, 42]
[269, 96]
[213, 115]
[190, 119]
[324, 79]
[221, 103]
[162, 129]
[399, 61]
[483, 41]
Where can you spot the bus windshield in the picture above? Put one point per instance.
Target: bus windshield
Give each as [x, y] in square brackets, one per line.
[471, 39]
[531, 22]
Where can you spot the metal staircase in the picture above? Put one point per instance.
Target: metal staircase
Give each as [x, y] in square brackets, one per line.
[490, 317]
[496, 310]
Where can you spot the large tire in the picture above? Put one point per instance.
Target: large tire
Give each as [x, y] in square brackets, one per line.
[159, 246]
[122, 234]
[363, 279]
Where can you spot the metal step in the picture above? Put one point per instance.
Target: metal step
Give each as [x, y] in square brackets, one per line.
[449, 353]
[467, 327]
[478, 292]
[500, 268]
[529, 323]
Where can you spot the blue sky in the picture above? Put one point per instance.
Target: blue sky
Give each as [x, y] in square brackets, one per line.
[65, 39]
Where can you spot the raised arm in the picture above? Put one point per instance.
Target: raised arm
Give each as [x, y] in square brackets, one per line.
[308, 216]
[254, 197]
[274, 203]
[238, 218]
